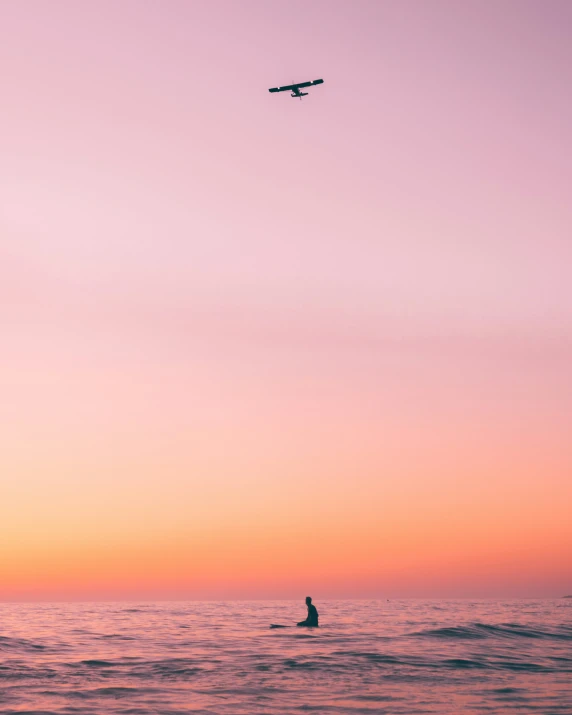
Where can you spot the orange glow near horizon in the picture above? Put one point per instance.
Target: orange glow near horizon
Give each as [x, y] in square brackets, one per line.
[168, 535]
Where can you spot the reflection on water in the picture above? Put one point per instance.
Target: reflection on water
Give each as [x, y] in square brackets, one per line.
[369, 656]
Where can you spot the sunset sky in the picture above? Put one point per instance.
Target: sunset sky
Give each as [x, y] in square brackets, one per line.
[253, 346]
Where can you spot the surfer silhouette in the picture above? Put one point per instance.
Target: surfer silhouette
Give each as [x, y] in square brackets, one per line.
[312, 620]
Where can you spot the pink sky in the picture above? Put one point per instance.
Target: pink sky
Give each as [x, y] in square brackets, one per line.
[257, 346]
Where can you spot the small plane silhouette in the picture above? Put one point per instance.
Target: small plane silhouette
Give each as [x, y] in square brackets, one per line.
[296, 88]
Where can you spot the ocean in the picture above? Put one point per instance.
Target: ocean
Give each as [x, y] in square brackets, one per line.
[397, 656]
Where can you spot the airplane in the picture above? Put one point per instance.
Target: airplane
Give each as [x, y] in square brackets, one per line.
[296, 88]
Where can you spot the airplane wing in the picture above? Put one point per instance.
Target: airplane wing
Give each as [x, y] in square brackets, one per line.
[286, 88]
[295, 86]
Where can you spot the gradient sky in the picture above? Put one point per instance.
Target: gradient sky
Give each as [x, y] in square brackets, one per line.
[253, 346]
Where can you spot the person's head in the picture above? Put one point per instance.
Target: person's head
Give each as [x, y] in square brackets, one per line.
[308, 600]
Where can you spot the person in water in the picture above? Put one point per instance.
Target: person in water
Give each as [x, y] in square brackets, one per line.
[312, 620]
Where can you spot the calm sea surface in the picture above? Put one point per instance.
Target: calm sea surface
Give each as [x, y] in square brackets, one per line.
[368, 657]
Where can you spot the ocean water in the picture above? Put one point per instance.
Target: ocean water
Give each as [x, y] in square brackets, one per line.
[367, 657]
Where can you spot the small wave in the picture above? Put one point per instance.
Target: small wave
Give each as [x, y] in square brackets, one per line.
[117, 636]
[118, 691]
[452, 632]
[462, 663]
[167, 669]
[176, 668]
[523, 666]
[19, 671]
[308, 665]
[511, 630]
[20, 644]
[477, 631]
[366, 655]
[114, 691]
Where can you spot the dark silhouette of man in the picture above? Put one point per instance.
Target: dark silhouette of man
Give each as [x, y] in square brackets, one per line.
[312, 620]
